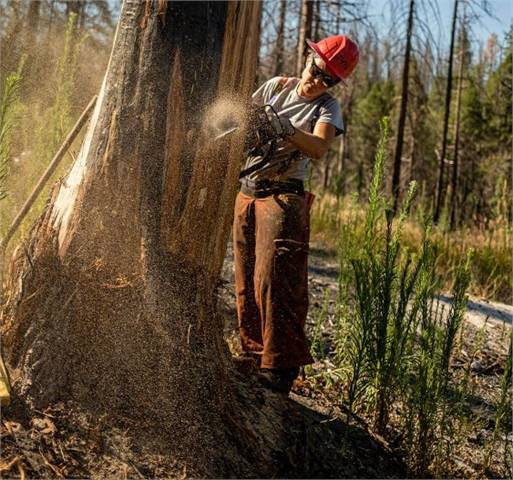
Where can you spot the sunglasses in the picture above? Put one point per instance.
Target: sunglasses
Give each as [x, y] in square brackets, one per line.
[326, 79]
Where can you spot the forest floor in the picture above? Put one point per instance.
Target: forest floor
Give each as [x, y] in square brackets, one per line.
[316, 442]
[482, 351]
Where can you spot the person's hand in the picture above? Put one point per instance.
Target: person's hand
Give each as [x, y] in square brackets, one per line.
[280, 124]
[287, 127]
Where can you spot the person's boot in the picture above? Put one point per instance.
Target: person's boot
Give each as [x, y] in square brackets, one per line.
[246, 363]
[278, 379]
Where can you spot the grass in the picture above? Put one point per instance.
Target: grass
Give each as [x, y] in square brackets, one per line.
[9, 104]
[492, 260]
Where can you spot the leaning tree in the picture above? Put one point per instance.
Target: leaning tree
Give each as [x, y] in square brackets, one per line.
[111, 300]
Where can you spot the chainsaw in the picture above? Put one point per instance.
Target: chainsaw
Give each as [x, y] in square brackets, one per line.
[264, 129]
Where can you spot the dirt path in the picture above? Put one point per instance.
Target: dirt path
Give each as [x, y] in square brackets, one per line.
[323, 279]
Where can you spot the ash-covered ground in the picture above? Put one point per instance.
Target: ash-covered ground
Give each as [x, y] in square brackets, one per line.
[63, 441]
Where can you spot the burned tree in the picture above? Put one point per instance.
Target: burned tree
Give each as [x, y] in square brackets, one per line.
[304, 33]
[111, 302]
[440, 188]
[279, 46]
[396, 176]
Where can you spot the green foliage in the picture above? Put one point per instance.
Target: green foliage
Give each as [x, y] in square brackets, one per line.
[393, 344]
[57, 120]
[47, 107]
[370, 108]
[499, 113]
[503, 414]
[8, 106]
[431, 413]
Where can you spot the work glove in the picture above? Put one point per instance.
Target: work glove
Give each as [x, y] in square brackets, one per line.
[288, 128]
[280, 124]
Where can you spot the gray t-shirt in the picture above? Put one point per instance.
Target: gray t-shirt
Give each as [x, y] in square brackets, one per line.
[288, 162]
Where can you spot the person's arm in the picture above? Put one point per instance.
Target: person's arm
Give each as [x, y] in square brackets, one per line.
[315, 144]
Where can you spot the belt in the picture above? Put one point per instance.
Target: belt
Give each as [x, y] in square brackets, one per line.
[266, 188]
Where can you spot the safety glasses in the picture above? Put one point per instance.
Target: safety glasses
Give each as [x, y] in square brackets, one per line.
[325, 78]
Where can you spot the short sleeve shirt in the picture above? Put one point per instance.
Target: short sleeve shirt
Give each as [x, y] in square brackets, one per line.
[287, 161]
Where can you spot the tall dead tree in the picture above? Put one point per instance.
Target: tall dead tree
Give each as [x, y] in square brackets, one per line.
[111, 301]
[396, 176]
[280, 40]
[316, 20]
[454, 176]
[440, 190]
[304, 33]
[33, 16]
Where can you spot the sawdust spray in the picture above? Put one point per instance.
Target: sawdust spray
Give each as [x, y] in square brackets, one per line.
[223, 116]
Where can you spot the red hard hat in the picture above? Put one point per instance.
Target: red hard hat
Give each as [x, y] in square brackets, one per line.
[340, 54]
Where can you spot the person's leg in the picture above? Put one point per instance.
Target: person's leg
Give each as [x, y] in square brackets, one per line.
[281, 279]
[244, 261]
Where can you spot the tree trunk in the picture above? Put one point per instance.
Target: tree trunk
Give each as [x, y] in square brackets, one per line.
[448, 93]
[316, 20]
[111, 303]
[454, 177]
[280, 40]
[396, 177]
[51, 15]
[341, 166]
[326, 171]
[33, 14]
[305, 32]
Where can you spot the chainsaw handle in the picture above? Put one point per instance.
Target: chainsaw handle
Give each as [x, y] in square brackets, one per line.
[281, 124]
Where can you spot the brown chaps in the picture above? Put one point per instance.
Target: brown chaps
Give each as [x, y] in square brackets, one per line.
[270, 244]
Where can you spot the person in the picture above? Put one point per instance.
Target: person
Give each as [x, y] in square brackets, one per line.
[271, 217]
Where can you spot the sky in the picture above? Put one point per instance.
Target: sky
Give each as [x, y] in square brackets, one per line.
[482, 29]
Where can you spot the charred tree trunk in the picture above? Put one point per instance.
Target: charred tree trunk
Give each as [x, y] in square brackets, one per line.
[280, 40]
[111, 304]
[341, 165]
[396, 176]
[454, 177]
[305, 32]
[33, 14]
[51, 15]
[448, 93]
[317, 20]
[326, 170]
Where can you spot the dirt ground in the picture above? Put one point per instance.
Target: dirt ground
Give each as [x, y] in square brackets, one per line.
[482, 349]
[66, 442]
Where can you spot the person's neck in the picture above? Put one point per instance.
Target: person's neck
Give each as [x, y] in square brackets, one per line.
[300, 92]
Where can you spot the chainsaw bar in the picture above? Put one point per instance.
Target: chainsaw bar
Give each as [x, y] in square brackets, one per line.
[226, 133]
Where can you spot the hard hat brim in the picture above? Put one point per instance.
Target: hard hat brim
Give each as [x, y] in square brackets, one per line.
[317, 50]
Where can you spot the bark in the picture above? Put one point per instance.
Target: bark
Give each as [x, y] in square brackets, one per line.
[454, 177]
[326, 171]
[396, 176]
[343, 152]
[33, 14]
[317, 20]
[51, 15]
[448, 93]
[341, 165]
[77, 8]
[280, 40]
[305, 32]
[111, 302]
